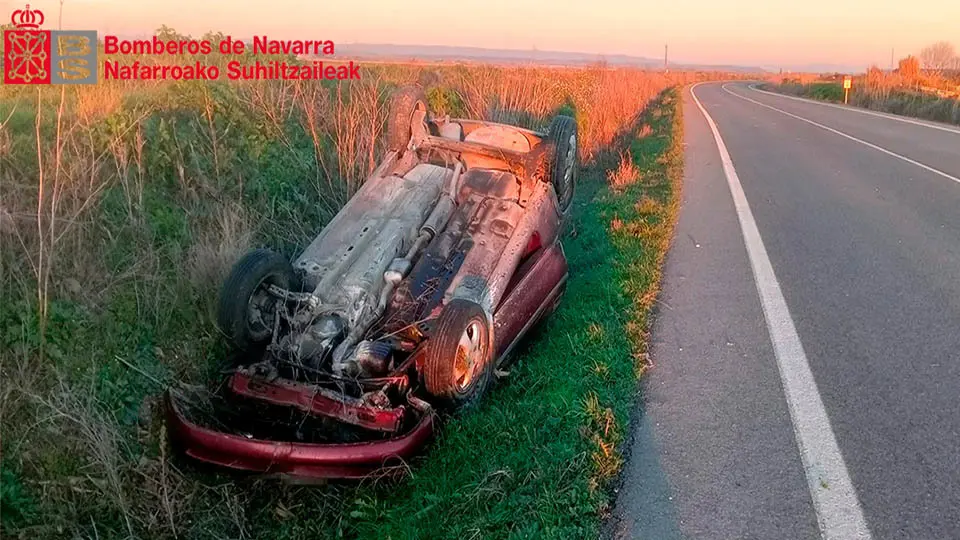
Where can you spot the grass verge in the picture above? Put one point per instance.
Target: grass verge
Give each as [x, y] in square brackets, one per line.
[903, 102]
[536, 460]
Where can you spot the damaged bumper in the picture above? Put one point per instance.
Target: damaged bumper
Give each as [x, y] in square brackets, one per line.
[318, 401]
[352, 460]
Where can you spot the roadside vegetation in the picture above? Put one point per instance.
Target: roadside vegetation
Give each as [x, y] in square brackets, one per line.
[927, 87]
[123, 205]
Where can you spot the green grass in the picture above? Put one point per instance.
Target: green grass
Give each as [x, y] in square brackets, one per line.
[824, 91]
[77, 413]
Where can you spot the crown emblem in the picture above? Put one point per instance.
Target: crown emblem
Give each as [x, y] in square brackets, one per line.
[27, 18]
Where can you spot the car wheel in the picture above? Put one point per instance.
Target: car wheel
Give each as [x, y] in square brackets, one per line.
[404, 102]
[566, 165]
[458, 366]
[246, 311]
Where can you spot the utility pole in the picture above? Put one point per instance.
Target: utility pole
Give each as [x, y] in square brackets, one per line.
[891, 60]
[665, 63]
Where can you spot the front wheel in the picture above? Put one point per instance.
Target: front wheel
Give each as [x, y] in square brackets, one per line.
[247, 310]
[458, 367]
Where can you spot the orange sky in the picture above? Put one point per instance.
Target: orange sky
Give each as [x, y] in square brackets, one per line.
[753, 32]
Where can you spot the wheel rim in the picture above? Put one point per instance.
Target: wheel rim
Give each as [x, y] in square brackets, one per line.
[260, 305]
[469, 357]
[568, 170]
[419, 106]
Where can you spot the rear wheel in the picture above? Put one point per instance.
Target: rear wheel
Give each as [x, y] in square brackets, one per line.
[458, 366]
[566, 164]
[403, 104]
[246, 312]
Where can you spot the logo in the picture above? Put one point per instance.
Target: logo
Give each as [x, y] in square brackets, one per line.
[27, 18]
[35, 56]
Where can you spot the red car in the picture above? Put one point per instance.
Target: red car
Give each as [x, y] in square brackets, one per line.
[405, 304]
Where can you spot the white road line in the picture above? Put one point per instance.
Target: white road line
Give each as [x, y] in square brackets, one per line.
[834, 497]
[851, 137]
[867, 112]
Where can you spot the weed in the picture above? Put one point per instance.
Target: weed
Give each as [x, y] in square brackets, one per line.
[626, 172]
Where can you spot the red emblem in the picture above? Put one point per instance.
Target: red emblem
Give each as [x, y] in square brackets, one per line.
[26, 58]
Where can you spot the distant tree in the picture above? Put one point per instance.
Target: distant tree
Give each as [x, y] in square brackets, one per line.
[214, 37]
[938, 57]
[909, 70]
[169, 34]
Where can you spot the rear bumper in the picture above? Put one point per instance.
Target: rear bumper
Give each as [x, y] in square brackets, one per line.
[299, 460]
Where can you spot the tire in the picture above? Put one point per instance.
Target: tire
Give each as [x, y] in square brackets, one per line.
[243, 297]
[403, 103]
[444, 377]
[566, 165]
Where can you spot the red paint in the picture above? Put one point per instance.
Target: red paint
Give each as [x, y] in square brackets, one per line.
[533, 245]
[531, 294]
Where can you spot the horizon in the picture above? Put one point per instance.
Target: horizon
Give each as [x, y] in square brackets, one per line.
[746, 33]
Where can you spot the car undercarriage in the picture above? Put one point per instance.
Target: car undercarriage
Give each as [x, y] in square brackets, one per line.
[405, 304]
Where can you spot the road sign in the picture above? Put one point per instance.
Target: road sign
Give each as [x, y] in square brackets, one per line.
[847, 84]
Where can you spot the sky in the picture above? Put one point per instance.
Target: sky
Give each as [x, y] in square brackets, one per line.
[767, 33]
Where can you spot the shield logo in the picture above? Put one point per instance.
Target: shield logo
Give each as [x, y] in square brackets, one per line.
[26, 58]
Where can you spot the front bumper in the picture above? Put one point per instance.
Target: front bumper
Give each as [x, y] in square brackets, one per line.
[353, 460]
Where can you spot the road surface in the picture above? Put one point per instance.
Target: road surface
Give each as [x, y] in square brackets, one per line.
[806, 378]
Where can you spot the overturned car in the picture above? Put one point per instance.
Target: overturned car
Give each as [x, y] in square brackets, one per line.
[408, 302]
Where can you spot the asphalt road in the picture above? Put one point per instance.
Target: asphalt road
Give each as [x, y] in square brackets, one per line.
[855, 279]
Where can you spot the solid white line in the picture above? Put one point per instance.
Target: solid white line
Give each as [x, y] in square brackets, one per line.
[851, 137]
[867, 112]
[834, 497]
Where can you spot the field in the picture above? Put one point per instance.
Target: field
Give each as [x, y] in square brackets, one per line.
[122, 206]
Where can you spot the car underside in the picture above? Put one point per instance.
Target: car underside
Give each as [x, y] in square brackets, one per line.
[407, 303]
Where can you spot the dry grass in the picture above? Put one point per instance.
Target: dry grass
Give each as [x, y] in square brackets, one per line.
[216, 248]
[626, 172]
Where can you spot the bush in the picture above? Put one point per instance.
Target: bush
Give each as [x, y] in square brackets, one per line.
[826, 91]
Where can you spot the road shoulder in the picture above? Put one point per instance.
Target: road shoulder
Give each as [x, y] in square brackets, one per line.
[712, 453]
